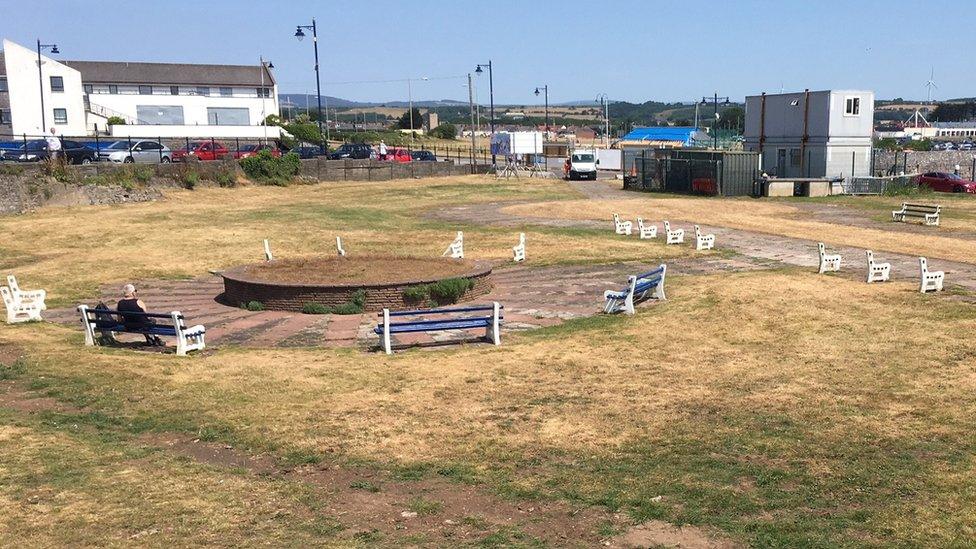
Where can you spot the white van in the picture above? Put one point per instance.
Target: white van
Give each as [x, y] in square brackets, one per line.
[582, 164]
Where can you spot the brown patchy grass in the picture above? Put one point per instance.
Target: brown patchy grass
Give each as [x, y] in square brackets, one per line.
[760, 216]
[357, 270]
[776, 405]
[71, 251]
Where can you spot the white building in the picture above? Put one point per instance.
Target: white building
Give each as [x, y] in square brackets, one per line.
[154, 99]
[812, 134]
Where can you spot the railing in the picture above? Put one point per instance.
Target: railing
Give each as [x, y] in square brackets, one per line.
[109, 113]
[879, 185]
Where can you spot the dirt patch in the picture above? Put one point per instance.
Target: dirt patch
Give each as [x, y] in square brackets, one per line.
[356, 270]
[658, 533]
[211, 453]
[369, 503]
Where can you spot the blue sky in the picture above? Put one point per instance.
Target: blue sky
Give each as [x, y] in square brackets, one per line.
[630, 50]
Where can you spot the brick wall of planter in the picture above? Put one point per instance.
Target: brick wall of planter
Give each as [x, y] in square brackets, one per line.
[238, 289]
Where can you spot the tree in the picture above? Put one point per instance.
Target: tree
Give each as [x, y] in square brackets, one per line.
[116, 121]
[445, 131]
[733, 118]
[404, 122]
[954, 112]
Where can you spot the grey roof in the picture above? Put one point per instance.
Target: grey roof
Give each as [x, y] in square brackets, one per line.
[123, 72]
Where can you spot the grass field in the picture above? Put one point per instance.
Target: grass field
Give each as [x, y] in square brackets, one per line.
[771, 408]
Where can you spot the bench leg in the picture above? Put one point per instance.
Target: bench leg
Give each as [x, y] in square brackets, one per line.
[386, 332]
[493, 332]
[89, 330]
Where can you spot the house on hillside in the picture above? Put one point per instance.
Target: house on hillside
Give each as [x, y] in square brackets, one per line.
[153, 99]
[811, 134]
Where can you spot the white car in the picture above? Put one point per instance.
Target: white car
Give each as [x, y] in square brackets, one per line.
[141, 151]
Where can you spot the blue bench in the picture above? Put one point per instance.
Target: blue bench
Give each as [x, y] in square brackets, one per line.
[106, 322]
[640, 287]
[491, 322]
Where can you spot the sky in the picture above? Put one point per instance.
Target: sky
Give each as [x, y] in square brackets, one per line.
[630, 50]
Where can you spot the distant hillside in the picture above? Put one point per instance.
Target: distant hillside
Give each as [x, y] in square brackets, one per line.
[301, 99]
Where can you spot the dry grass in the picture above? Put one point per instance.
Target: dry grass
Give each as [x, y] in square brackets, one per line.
[760, 216]
[831, 394]
[71, 251]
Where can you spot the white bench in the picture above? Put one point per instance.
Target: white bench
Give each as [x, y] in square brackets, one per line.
[456, 249]
[676, 236]
[928, 213]
[19, 311]
[703, 241]
[36, 297]
[877, 272]
[106, 322]
[622, 227]
[828, 262]
[639, 287]
[519, 249]
[931, 280]
[646, 231]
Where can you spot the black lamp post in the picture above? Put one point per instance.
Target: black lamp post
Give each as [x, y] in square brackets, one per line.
[318, 81]
[715, 99]
[545, 89]
[491, 98]
[40, 77]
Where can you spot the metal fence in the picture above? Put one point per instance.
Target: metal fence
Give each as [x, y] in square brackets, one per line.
[880, 185]
[12, 146]
[694, 172]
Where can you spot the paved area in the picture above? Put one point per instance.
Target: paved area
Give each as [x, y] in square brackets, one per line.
[534, 297]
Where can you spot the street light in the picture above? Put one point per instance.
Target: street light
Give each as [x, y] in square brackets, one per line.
[546, 90]
[300, 34]
[491, 98]
[715, 99]
[604, 100]
[40, 77]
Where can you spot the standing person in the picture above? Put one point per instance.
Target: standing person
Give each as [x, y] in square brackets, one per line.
[53, 145]
[382, 150]
[132, 304]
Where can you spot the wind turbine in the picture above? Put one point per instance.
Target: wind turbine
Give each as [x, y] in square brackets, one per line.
[931, 84]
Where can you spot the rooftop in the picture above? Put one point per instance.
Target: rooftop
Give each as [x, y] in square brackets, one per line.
[124, 72]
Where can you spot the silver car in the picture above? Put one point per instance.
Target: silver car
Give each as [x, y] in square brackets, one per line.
[142, 151]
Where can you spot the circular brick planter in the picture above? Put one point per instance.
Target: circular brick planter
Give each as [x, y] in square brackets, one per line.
[241, 288]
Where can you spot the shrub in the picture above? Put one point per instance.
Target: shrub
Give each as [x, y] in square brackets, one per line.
[116, 121]
[143, 173]
[267, 168]
[416, 294]
[450, 290]
[445, 131]
[225, 179]
[253, 306]
[189, 179]
[353, 307]
[56, 168]
[316, 309]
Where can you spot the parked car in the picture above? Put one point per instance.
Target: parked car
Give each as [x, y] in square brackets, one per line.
[423, 156]
[946, 183]
[202, 150]
[251, 149]
[307, 151]
[398, 154]
[141, 151]
[36, 151]
[356, 151]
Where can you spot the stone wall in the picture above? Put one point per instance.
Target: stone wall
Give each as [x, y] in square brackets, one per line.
[238, 290]
[375, 170]
[924, 161]
[28, 190]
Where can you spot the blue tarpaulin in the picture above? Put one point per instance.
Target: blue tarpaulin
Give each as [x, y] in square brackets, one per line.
[679, 134]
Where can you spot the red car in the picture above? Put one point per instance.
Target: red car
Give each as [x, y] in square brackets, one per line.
[398, 154]
[250, 150]
[202, 150]
[946, 183]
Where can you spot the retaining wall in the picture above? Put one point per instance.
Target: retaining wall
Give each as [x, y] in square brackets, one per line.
[924, 161]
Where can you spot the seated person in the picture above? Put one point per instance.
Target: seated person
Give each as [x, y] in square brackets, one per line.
[132, 304]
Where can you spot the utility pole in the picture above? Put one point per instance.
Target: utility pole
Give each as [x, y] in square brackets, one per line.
[40, 81]
[715, 99]
[605, 101]
[318, 80]
[491, 103]
[471, 108]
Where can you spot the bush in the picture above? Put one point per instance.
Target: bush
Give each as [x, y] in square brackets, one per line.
[267, 168]
[253, 306]
[225, 179]
[442, 292]
[353, 307]
[316, 309]
[189, 179]
[116, 121]
[56, 168]
[143, 173]
[445, 131]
